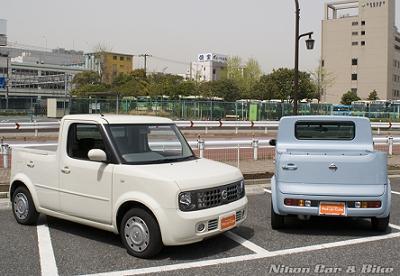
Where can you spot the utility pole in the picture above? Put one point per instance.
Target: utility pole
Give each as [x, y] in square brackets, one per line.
[145, 56]
[310, 46]
[8, 79]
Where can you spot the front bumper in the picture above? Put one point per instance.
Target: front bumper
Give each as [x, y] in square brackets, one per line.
[178, 228]
[383, 211]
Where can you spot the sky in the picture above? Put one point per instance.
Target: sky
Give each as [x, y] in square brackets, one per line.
[176, 30]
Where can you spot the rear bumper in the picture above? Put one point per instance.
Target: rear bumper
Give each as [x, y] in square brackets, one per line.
[383, 211]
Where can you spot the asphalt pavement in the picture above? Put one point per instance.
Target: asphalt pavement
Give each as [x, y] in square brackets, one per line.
[320, 246]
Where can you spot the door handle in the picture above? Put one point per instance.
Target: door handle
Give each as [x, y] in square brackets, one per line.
[30, 164]
[66, 170]
[289, 167]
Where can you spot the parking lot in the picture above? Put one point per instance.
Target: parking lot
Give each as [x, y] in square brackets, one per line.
[320, 246]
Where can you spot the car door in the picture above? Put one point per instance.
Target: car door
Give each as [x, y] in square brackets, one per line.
[85, 186]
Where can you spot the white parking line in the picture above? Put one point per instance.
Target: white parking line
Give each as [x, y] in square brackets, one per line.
[396, 193]
[48, 264]
[394, 226]
[333, 244]
[246, 243]
[165, 268]
[266, 254]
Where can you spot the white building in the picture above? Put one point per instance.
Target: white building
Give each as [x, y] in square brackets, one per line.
[208, 67]
[361, 49]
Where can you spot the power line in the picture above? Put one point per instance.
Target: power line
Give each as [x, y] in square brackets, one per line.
[172, 60]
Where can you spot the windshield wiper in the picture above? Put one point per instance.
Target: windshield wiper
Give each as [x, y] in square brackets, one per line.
[191, 157]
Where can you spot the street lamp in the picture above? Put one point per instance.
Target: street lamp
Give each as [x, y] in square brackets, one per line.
[310, 45]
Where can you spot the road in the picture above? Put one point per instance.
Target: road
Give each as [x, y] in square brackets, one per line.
[317, 247]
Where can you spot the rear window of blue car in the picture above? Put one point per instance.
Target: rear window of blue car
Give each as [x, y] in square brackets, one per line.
[325, 130]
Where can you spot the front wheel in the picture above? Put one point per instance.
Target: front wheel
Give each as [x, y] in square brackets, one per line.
[380, 224]
[277, 221]
[23, 207]
[140, 233]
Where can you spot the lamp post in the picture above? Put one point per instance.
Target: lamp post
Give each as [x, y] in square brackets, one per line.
[310, 46]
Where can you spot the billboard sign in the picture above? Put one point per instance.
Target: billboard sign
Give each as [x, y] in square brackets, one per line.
[212, 57]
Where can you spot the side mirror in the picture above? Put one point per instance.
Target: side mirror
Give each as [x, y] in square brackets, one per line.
[272, 142]
[97, 155]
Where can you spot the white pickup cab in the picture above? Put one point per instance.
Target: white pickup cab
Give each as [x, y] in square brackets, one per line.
[132, 175]
[327, 166]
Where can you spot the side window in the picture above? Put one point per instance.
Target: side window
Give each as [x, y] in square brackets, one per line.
[82, 138]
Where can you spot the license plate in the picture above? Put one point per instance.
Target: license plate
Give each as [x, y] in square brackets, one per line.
[227, 221]
[332, 209]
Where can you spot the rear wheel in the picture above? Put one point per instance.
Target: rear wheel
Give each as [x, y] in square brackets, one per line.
[23, 207]
[277, 221]
[140, 233]
[380, 224]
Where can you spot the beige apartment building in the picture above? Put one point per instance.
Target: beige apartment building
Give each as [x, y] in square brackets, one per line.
[361, 49]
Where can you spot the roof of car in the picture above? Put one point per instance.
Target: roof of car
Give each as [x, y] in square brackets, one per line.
[119, 119]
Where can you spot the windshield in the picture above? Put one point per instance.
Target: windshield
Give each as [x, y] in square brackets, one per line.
[150, 144]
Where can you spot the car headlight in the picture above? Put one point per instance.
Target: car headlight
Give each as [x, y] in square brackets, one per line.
[186, 201]
[241, 187]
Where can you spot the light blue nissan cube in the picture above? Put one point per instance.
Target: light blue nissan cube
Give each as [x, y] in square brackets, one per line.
[327, 166]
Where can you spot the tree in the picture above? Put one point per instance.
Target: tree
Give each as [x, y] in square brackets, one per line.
[226, 89]
[87, 77]
[234, 69]
[100, 49]
[263, 90]
[87, 82]
[279, 85]
[322, 80]
[349, 97]
[373, 96]
[251, 75]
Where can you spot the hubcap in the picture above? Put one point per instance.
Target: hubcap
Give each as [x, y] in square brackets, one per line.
[137, 234]
[21, 206]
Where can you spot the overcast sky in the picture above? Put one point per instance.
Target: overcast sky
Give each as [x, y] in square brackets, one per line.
[172, 29]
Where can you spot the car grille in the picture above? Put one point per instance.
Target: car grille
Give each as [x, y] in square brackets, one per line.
[214, 197]
[239, 215]
[212, 224]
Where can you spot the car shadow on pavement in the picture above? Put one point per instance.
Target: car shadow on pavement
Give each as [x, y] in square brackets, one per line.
[332, 226]
[217, 246]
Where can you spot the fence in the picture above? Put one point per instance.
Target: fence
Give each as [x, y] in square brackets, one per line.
[227, 151]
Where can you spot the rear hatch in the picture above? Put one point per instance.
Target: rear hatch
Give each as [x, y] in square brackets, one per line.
[331, 172]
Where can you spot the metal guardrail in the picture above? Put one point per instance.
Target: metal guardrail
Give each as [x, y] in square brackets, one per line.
[182, 124]
[201, 145]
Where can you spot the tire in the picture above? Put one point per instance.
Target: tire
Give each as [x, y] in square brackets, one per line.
[140, 233]
[380, 224]
[277, 221]
[23, 207]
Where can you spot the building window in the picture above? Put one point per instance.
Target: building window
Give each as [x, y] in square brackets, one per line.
[363, 23]
[354, 43]
[362, 43]
[355, 23]
[362, 32]
[114, 57]
[121, 58]
[354, 90]
[214, 71]
[354, 77]
[354, 61]
[322, 63]
[354, 33]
